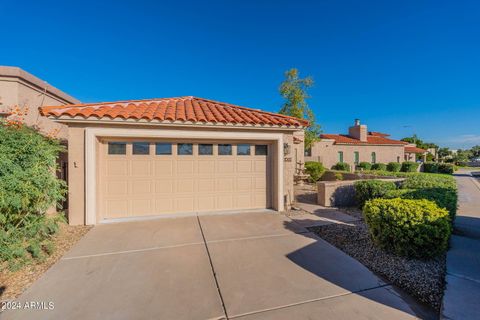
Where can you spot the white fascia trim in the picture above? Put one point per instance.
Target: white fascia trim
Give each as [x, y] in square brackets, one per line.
[91, 135]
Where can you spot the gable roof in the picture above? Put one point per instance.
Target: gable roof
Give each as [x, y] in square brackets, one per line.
[181, 109]
[372, 139]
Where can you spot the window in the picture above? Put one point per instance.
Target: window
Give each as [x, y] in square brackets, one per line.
[374, 157]
[225, 149]
[340, 156]
[398, 159]
[141, 148]
[356, 156]
[163, 148]
[243, 149]
[205, 149]
[184, 149]
[117, 148]
[308, 152]
[261, 150]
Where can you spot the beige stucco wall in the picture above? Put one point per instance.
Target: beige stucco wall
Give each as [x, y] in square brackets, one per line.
[76, 178]
[19, 88]
[326, 152]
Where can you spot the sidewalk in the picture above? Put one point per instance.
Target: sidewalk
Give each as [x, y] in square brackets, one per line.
[462, 292]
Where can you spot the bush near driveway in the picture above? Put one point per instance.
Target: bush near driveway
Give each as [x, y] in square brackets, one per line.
[28, 188]
[379, 166]
[371, 189]
[394, 166]
[425, 180]
[409, 166]
[446, 168]
[315, 170]
[412, 228]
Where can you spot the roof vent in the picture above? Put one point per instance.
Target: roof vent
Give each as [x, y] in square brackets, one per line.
[357, 122]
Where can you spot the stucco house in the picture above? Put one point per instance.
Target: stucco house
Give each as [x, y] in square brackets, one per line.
[142, 158]
[360, 145]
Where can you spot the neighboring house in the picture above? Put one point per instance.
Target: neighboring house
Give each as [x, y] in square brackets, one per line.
[138, 158]
[19, 88]
[412, 152]
[359, 145]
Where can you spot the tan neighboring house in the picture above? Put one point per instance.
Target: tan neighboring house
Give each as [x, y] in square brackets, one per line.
[158, 157]
[359, 145]
[19, 88]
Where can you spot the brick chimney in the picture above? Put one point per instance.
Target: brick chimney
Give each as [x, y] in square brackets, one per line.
[358, 131]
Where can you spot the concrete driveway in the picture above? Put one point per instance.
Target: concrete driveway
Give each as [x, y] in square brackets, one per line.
[239, 266]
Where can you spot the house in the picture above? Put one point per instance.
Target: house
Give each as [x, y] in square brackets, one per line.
[359, 145]
[141, 158]
[412, 153]
[21, 89]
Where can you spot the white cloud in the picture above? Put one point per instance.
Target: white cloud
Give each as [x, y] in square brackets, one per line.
[464, 141]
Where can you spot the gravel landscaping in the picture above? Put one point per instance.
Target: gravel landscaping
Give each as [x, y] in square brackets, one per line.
[423, 279]
[13, 284]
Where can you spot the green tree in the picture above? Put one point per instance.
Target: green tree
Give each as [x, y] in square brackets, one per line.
[419, 142]
[294, 90]
[475, 151]
[443, 153]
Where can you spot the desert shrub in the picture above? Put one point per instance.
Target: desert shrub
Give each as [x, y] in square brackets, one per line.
[409, 166]
[446, 168]
[364, 165]
[412, 228]
[371, 189]
[394, 166]
[341, 166]
[28, 187]
[379, 166]
[430, 167]
[315, 170]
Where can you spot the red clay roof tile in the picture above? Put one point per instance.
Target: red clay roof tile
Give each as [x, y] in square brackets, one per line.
[181, 109]
[371, 139]
[414, 150]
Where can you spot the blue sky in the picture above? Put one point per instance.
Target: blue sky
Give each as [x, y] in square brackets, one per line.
[402, 67]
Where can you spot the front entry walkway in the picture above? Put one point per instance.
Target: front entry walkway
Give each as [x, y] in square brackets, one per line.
[240, 266]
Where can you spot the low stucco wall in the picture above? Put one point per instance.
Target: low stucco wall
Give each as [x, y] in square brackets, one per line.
[339, 193]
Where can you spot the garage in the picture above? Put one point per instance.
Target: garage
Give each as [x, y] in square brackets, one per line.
[154, 177]
[175, 156]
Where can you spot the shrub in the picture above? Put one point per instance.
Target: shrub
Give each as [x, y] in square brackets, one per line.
[315, 170]
[409, 166]
[394, 166]
[364, 165]
[426, 180]
[412, 228]
[341, 166]
[28, 187]
[379, 166]
[446, 168]
[430, 167]
[370, 189]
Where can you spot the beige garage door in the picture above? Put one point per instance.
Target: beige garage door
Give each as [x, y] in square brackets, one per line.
[154, 177]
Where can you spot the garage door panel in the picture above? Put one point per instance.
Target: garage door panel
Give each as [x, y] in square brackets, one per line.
[140, 185]
[116, 168]
[140, 168]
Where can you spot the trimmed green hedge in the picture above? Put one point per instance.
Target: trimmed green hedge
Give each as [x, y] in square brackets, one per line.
[412, 228]
[409, 166]
[430, 167]
[371, 189]
[394, 166]
[435, 167]
[341, 166]
[379, 166]
[424, 180]
[364, 165]
[315, 170]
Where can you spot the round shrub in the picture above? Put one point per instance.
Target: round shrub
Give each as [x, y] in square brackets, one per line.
[409, 166]
[446, 168]
[379, 166]
[429, 181]
[412, 228]
[341, 166]
[430, 167]
[371, 189]
[394, 167]
[364, 165]
[315, 170]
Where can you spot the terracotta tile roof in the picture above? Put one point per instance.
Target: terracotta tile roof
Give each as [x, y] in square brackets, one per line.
[378, 134]
[371, 139]
[414, 150]
[181, 109]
